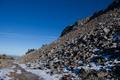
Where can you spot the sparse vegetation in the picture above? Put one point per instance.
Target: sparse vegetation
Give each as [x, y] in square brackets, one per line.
[30, 50]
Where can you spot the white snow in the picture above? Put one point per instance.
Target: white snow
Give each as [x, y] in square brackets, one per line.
[13, 67]
[94, 66]
[91, 66]
[65, 70]
[96, 49]
[41, 73]
[19, 72]
[4, 74]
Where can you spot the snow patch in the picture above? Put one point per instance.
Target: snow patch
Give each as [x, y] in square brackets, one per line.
[41, 73]
[4, 74]
[19, 72]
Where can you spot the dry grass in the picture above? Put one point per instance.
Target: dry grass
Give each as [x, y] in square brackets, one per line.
[5, 63]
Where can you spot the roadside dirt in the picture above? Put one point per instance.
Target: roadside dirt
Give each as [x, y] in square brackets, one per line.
[22, 74]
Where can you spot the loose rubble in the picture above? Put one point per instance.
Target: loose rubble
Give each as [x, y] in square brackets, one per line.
[89, 50]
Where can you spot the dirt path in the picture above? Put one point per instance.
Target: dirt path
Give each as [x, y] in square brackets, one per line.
[22, 74]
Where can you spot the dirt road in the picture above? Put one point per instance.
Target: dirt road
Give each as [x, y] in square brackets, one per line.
[22, 74]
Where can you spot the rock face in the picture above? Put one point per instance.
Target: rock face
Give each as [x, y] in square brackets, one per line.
[89, 49]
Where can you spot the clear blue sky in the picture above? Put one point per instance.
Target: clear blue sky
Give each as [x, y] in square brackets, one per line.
[28, 24]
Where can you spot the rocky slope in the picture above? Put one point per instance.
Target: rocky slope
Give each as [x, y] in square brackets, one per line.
[86, 50]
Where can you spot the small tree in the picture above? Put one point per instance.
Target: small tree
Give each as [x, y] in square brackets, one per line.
[30, 50]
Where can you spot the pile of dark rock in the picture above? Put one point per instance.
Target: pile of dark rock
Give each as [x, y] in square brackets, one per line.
[87, 50]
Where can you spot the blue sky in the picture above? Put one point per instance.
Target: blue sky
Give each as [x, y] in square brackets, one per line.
[28, 24]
